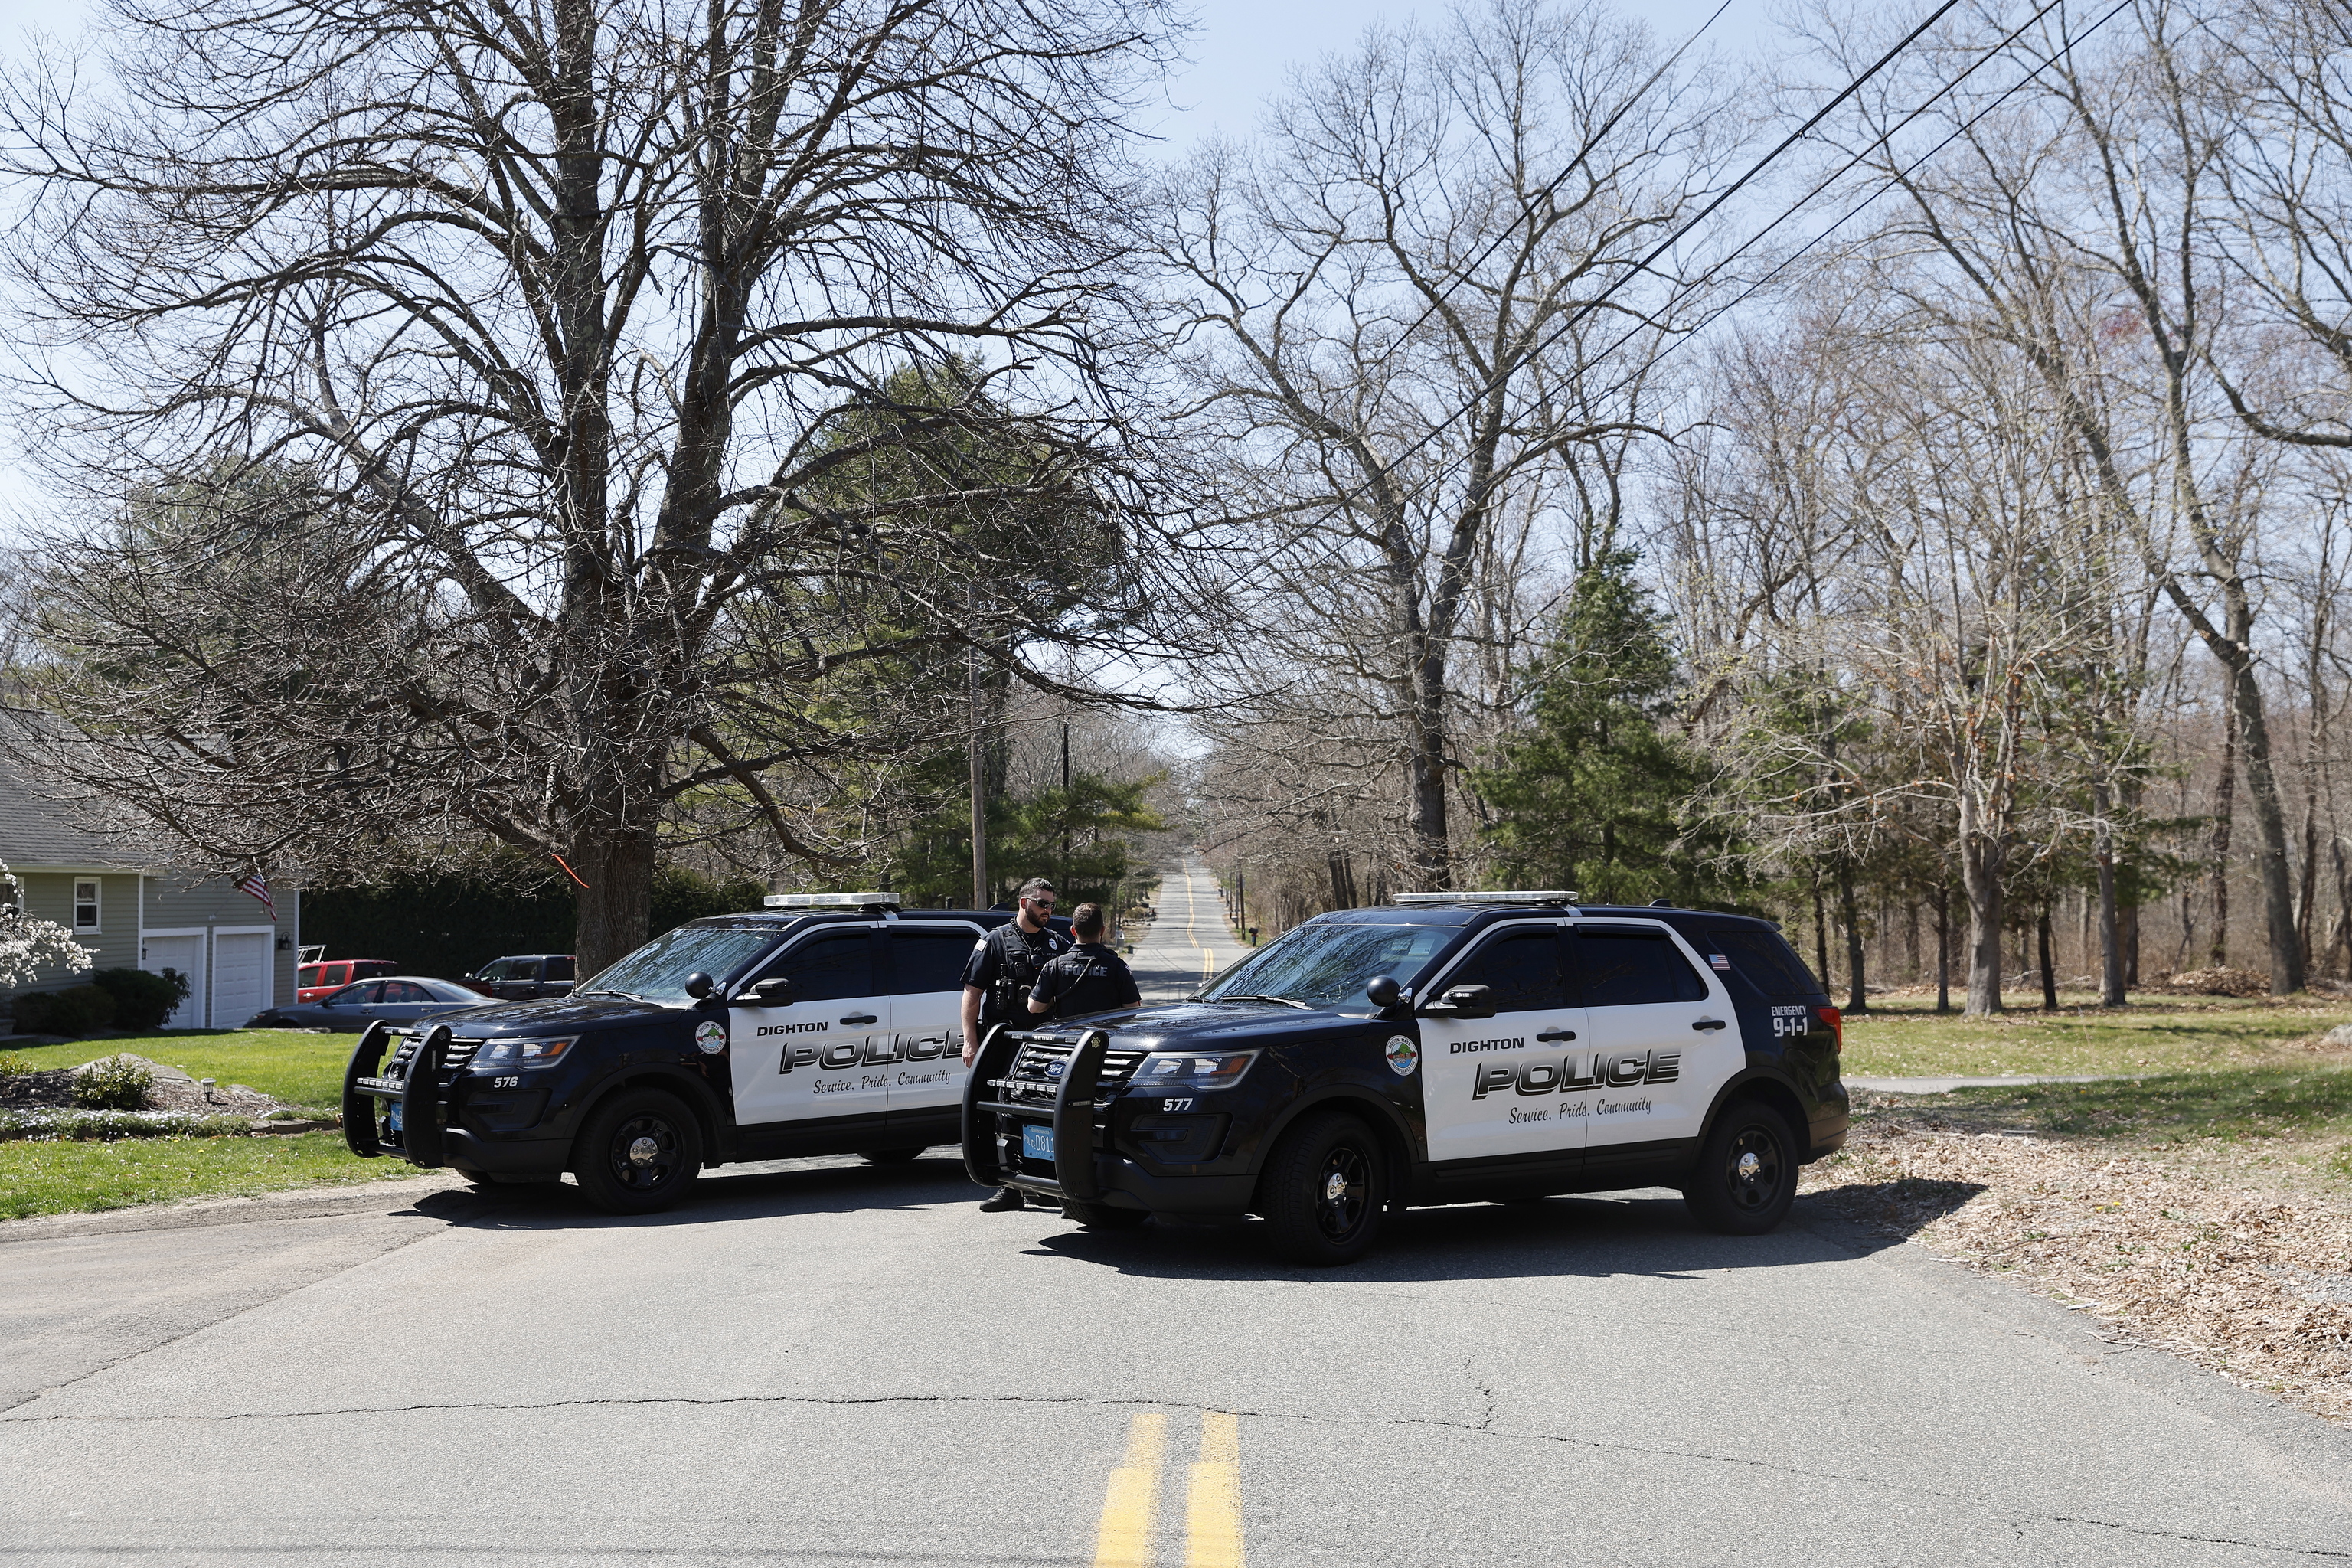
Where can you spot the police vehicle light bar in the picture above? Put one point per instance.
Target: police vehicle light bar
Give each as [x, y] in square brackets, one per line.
[830, 901]
[1505, 898]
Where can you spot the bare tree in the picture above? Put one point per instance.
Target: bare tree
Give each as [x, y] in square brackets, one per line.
[1392, 308]
[498, 420]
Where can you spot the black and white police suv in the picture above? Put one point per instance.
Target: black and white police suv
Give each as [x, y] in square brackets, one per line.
[1445, 1048]
[825, 1024]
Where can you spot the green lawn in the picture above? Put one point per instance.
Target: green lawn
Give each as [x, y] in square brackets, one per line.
[62, 1178]
[2237, 1105]
[1905, 1038]
[300, 1068]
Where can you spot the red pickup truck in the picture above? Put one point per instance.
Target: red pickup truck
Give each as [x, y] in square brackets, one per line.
[312, 980]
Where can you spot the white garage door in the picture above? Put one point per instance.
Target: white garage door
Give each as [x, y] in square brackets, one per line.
[185, 954]
[240, 978]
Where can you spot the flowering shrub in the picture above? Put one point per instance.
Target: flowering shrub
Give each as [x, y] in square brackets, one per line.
[112, 1084]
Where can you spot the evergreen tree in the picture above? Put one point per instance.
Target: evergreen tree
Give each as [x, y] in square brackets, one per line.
[1594, 795]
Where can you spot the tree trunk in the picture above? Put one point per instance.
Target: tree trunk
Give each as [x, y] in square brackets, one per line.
[2111, 946]
[1857, 997]
[1822, 936]
[1983, 860]
[2049, 970]
[2270, 823]
[1432, 854]
[2225, 800]
[1943, 947]
[616, 904]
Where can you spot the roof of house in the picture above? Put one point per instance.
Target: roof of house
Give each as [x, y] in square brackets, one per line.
[37, 832]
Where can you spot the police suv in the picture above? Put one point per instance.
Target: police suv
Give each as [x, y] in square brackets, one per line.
[825, 1024]
[1446, 1048]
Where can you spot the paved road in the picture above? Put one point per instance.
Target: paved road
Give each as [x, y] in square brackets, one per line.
[1190, 941]
[824, 1364]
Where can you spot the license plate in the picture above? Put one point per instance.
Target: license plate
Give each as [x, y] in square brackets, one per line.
[1038, 1143]
[395, 1116]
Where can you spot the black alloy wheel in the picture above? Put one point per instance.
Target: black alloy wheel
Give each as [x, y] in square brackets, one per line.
[640, 1153]
[891, 1156]
[1746, 1177]
[1324, 1190]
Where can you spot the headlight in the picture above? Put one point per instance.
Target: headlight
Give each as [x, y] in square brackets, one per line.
[1193, 1069]
[504, 1054]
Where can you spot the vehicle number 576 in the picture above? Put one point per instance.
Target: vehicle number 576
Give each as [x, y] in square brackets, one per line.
[1175, 1105]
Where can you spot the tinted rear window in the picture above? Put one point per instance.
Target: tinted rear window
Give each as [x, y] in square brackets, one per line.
[1765, 960]
[558, 969]
[929, 961]
[1625, 965]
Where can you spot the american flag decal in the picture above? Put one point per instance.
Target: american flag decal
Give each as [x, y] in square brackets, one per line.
[255, 887]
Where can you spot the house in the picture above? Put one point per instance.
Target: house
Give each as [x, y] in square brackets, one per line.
[137, 912]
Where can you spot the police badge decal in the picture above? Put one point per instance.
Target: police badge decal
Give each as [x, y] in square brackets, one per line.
[1404, 1056]
[711, 1037]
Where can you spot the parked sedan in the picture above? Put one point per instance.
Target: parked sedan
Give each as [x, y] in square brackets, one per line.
[397, 998]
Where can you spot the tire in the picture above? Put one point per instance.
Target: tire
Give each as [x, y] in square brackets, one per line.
[1746, 1177]
[1324, 1190]
[1102, 1216]
[638, 1154]
[890, 1156]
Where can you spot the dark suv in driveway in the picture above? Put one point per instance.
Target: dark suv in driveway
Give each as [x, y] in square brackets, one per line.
[1445, 1049]
[524, 977]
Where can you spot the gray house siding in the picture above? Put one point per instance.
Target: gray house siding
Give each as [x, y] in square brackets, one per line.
[48, 896]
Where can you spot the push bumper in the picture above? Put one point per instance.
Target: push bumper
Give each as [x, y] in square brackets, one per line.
[404, 1108]
[1082, 1169]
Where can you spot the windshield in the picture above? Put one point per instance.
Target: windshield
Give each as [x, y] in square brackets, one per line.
[1327, 965]
[658, 971]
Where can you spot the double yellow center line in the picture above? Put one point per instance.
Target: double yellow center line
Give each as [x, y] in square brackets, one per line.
[1213, 1507]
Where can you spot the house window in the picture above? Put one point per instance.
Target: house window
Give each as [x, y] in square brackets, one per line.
[86, 905]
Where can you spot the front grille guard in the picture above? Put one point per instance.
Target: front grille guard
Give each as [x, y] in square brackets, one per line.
[418, 1080]
[992, 1089]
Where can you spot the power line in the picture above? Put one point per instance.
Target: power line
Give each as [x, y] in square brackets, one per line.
[1892, 181]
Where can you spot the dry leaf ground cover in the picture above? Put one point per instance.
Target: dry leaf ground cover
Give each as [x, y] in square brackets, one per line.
[2206, 1213]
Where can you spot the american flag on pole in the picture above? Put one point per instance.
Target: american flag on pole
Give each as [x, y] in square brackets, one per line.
[254, 886]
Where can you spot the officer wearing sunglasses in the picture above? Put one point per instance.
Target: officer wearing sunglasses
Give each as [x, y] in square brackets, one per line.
[998, 978]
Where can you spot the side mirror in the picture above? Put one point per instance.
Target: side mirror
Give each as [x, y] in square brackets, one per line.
[1463, 1002]
[698, 985]
[776, 993]
[1382, 990]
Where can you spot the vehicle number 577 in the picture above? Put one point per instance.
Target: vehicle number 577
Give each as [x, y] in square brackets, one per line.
[1175, 1105]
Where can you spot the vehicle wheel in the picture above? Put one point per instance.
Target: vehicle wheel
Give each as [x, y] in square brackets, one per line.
[1324, 1190]
[640, 1153]
[1102, 1216]
[890, 1156]
[1746, 1177]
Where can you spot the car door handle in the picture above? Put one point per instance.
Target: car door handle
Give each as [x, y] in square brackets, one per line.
[860, 1018]
[1557, 1034]
[1707, 1024]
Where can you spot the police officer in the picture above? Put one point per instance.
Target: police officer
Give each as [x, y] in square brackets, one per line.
[1089, 978]
[997, 979]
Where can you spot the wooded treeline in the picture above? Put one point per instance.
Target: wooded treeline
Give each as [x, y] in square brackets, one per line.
[730, 437]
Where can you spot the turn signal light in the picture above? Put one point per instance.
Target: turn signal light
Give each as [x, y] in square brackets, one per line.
[1836, 1021]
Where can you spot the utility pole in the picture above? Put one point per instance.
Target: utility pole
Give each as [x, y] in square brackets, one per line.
[1065, 867]
[980, 898]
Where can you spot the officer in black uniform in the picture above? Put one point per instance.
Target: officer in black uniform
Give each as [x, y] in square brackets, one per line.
[1089, 978]
[997, 979]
